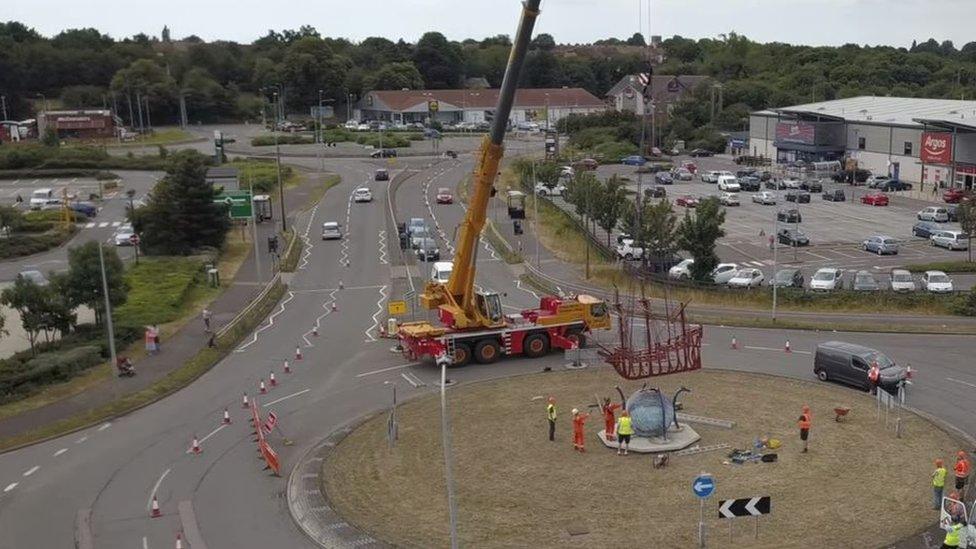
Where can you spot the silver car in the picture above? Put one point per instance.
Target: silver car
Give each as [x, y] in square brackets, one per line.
[934, 213]
[951, 240]
[331, 231]
[881, 245]
[724, 272]
[765, 198]
[902, 281]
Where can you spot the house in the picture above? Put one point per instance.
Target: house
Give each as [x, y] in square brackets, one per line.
[666, 90]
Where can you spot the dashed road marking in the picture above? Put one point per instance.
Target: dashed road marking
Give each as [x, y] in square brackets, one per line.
[104, 426]
[31, 471]
[82, 439]
[286, 397]
[103, 224]
[59, 452]
[954, 380]
[10, 487]
[390, 369]
[155, 487]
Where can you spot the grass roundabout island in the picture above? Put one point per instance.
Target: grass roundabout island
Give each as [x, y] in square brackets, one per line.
[859, 486]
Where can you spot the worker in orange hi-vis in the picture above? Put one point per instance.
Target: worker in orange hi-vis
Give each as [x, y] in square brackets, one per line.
[579, 419]
[961, 470]
[609, 421]
[804, 423]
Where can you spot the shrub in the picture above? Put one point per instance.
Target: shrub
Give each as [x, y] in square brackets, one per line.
[591, 137]
[338, 135]
[19, 245]
[285, 139]
[614, 151]
[46, 368]
[262, 175]
[965, 304]
[389, 140]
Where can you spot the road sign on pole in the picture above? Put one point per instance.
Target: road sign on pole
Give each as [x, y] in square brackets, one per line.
[397, 308]
[744, 507]
[702, 487]
[238, 203]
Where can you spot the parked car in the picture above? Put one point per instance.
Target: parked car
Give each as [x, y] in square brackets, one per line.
[875, 199]
[331, 231]
[800, 197]
[728, 183]
[791, 215]
[849, 363]
[682, 174]
[875, 181]
[427, 250]
[826, 279]
[41, 197]
[925, 229]
[745, 172]
[381, 175]
[792, 237]
[812, 185]
[383, 153]
[633, 160]
[700, 153]
[787, 278]
[567, 171]
[765, 198]
[86, 209]
[936, 282]
[663, 178]
[687, 201]
[859, 175]
[881, 245]
[451, 154]
[362, 194]
[709, 177]
[775, 184]
[791, 183]
[746, 278]
[690, 166]
[542, 189]
[444, 196]
[953, 211]
[864, 281]
[902, 281]
[586, 164]
[655, 191]
[35, 276]
[749, 183]
[953, 195]
[729, 199]
[933, 213]
[894, 185]
[724, 272]
[950, 240]
[682, 270]
[627, 250]
[836, 195]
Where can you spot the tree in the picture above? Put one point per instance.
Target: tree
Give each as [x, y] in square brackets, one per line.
[636, 40]
[82, 285]
[582, 194]
[395, 76]
[660, 224]
[439, 61]
[41, 309]
[543, 42]
[610, 202]
[966, 213]
[697, 234]
[181, 215]
[546, 173]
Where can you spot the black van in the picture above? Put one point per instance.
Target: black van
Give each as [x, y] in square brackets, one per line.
[849, 363]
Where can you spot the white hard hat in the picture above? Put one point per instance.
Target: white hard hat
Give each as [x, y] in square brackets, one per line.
[575, 410]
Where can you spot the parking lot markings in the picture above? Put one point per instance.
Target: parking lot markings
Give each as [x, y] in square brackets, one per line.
[89, 225]
[116, 223]
[103, 224]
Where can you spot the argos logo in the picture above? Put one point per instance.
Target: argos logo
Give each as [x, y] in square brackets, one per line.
[936, 148]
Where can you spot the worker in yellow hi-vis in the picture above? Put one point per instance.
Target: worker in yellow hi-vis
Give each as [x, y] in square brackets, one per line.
[938, 483]
[551, 417]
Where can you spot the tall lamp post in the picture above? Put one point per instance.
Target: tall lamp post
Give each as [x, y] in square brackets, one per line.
[274, 132]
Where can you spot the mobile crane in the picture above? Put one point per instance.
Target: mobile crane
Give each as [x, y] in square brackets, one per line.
[472, 323]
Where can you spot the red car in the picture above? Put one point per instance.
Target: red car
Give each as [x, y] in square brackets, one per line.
[876, 199]
[953, 196]
[690, 166]
[586, 164]
[687, 201]
[444, 196]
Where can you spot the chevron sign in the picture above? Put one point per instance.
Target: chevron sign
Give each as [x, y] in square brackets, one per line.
[745, 507]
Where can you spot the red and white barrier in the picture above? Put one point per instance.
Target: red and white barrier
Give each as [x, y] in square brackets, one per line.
[155, 512]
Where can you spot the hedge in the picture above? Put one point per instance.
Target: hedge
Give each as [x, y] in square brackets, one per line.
[287, 139]
[47, 368]
[19, 245]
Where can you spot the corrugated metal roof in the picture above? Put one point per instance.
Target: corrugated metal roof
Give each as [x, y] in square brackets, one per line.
[886, 110]
[402, 100]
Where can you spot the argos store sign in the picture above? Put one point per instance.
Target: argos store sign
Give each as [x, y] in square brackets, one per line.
[936, 148]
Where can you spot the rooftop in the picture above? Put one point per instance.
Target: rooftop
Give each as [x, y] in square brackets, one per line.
[400, 100]
[886, 110]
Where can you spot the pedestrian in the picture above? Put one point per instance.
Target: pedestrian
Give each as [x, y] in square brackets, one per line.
[155, 332]
[770, 242]
[952, 533]
[805, 422]
[938, 483]
[625, 428]
[874, 375]
[579, 419]
[207, 315]
[150, 341]
[608, 419]
[961, 471]
[551, 417]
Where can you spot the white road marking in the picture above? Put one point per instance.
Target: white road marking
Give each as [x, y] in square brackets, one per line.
[961, 381]
[286, 397]
[59, 452]
[103, 224]
[10, 487]
[316, 290]
[327, 305]
[89, 225]
[82, 439]
[390, 369]
[31, 471]
[116, 223]
[379, 311]
[155, 487]
[268, 324]
[145, 543]
[104, 426]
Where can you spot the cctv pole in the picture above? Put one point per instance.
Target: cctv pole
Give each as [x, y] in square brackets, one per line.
[775, 237]
[108, 308]
[254, 230]
[281, 188]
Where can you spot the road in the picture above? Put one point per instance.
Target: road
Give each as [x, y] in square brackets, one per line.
[110, 473]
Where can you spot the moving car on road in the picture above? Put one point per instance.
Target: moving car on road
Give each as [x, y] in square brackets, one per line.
[950, 240]
[382, 175]
[933, 213]
[812, 185]
[427, 250]
[787, 278]
[936, 282]
[687, 201]
[123, 235]
[925, 229]
[724, 272]
[826, 279]
[681, 271]
[792, 237]
[953, 195]
[881, 245]
[875, 199]
[445, 196]
[849, 363]
[864, 281]
[383, 153]
[362, 194]
[765, 198]
[728, 183]
[729, 199]
[441, 271]
[746, 278]
[902, 281]
[331, 231]
[836, 195]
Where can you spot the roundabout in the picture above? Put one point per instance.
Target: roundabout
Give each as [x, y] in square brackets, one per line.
[516, 488]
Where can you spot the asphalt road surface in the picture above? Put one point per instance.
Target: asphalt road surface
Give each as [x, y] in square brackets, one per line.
[108, 474]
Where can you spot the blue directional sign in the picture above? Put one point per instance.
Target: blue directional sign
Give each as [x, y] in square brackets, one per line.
[703, 486]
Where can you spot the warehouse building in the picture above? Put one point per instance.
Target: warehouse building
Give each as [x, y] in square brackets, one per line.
[79, 124]
[538, 105]
[927, 141]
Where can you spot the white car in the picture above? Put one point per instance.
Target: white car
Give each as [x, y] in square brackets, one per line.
[331, 231]
[746, 278]
[351, 124]
[902, 281]
[123, 235]
[41, 197]
[681, 270]
[933, 213]
[826, 279]
[362, 194]
[791, 183]
[724, 272]
[764, 197]
[557, 190]
[950, 240]
[627, 250]
[729, 199]
[362, 128]
[441, 271]
[567, 171]
[936, 282]
[709, 177]
[683, 174]
[729, 184]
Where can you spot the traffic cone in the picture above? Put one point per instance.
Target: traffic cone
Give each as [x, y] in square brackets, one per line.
[271, 378]
[179, 541]
[382, 331]
[196, 446]
[340, 285]
[334, 306]
[298, 353]
[155, 513]
[735, 344]
[287, 368]
[262, 389]
[908, 372]
[315, 331]
[787, 347]
[244, 401]
[226, 417]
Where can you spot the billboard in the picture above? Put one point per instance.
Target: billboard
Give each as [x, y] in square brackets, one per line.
[936, 147]
[795, 132]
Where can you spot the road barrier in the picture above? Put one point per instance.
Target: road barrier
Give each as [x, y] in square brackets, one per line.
[264, 448]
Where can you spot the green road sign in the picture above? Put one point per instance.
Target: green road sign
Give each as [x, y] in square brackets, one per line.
[238, 202]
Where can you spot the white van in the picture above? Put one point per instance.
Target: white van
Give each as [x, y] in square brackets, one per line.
[728, 183]
[41, 197]
[441, 271]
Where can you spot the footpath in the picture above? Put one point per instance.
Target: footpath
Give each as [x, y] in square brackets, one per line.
[178, 348]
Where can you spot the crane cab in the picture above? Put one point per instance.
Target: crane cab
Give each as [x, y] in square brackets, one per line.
[516, 204]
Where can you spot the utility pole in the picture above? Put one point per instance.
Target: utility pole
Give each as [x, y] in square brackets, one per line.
[281, 187]
[148, 117]
[3, 104]
[108, 308]
[775, 237]
[183, 118]
[254, 231]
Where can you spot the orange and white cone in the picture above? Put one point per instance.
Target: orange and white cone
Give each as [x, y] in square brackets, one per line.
[154, 509]
[787, 347]
[315, 331]
[226, 420]
[908, 372]
[735, 344]
[261, 388]
[179, 541]
[244, 401]
[340, 285]
[334, 309]
[195, 448]
[271, 378]
[298, 353]
[287, 368]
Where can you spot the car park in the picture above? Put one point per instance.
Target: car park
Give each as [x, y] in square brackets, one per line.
[687, 201]
[826, 279]
[427, 250]
[383, 153]
[765, 198]
[729, 199]
[902, 281]
[787, 278]
[663, 178]
[655, 191]
[682, 270]
[864, 281]
[933, 213]
[894, 185]
[792, 237]
[381, 175]
[881, 245]
[791, 215]
[925, 229]
[800, 197]
[683, 174]
[728, 183]
[724, 272]
[950, 240]
[812, 185]
[709, 177]
[849, 363]
[936, 282]
[700, 153]
[953, 195]
[444, 196]
[749, 183]
[746, 278]
[633, 160]
[875, 199]
[331, 231]
[362, 194]
[836, 195]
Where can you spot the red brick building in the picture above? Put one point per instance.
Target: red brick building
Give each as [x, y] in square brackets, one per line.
[80, 124]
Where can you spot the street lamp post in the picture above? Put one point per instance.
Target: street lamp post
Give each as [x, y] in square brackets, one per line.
[108, 308]
[775, 237]
[281, 188]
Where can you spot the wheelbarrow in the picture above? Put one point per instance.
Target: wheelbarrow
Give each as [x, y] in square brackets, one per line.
[841, 412]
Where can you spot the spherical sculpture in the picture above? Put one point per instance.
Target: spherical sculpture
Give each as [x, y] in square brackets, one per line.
[652, 412]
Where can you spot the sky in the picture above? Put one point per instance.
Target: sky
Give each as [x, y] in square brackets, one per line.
[813, 22]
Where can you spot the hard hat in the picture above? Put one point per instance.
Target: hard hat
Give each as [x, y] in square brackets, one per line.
[625, 413]
[575, 411]
[806, 408]
[552, 399]
[938, 462]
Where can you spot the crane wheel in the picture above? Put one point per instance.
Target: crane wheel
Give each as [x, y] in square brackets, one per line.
[462, 354]
[536, 345]
[486, 351]
[578, 337]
